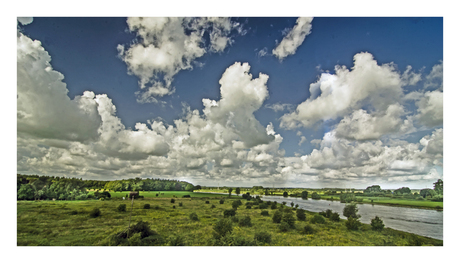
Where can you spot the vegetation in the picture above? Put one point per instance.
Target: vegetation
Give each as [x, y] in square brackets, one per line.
[377, 224]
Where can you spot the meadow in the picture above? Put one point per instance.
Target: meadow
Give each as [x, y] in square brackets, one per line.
[68, 223]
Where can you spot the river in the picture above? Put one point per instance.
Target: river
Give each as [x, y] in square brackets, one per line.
[422, 222]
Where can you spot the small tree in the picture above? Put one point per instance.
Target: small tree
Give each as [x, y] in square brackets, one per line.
[335, 217]
[352, 223]
[229, 213]
[121, 208]
[317, 219]
[222, 228]
[193, 216]
[221, 201]
[230, 190]
[315, 196]
[377, 224]
[289, 219]
[173, 201]
[245, 221]
[277, 216]
[237, 191]
[300, 213]
[285, 194]
[263, 237]
[304, 194]
[351, 211]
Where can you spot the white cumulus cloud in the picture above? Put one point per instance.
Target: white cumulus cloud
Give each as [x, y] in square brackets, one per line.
[294, 38]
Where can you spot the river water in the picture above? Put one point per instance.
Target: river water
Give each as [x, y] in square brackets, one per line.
[422, 222]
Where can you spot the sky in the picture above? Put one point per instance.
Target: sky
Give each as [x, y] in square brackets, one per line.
[233, 101]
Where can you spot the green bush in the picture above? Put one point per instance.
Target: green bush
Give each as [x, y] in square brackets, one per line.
[185, 196]
[284, 227]
[300, 213]
[207, 202]
[173, 200]
[95, 213]
[273, 206]
[176, 240]
[222, 228]
[335, 217]
[229, 212]
[307, 230]
[377, 224]
[277, 216]
[221, 201]
[352, 223]
[146, 206]
[213, 206]
[121, 208]
[264, 213]
[351, 211]
[289, 219]
[317, 219]
[263, 237]
[73, 212]
[245, 221]
[193, 216]
[263, 206]
[180, 203]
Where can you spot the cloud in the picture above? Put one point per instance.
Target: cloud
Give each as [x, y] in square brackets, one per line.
[294, 38]
[167, 45]
[25, 20]
[263, 52]
[435, 78]
[430, 109]
[336, 95]
[279, 106]
[361, 125]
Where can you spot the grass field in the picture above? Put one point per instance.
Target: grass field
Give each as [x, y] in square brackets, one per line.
[67, 223]
[166, 194]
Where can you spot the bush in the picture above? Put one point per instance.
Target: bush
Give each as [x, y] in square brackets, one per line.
[263, 206]
[277, 216]
[139, 234]
[221, 201]
[173, 200]
[245, 221]
[121, 208]
[300, 213]
[289, 219]
[193, 216]
[351, 211]
[263, 237]
[222, 228]
[264, 213]
[234, 219]
[176, 240]
[315, 196]
[352, 223]
[174, 207]
[317, 219]
[95, 213]
[180, 203]
[185, 196]
[335, 217]
[73, 212]
[307, 230]
[248, 206]
[207, 202]
[284, 227]
[377, 224]
[146, 206]
[229, 212]
[213, 206]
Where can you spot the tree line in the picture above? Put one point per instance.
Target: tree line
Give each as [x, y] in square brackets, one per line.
[35, 187]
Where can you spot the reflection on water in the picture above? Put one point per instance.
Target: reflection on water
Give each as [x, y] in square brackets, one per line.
[422, 222]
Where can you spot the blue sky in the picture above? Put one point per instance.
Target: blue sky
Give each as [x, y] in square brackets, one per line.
[376, 115]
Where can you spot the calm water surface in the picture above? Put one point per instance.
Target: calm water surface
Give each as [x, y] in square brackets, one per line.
[422, 222]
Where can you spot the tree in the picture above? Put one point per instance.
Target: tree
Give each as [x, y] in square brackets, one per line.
[373, 189]
[377, 224]
[438, 186]
[351, 211]
[427, 192]
[26, 192]
[189, 188]
[402, 190]
[230, 190]
[222, 228]
[304, 194]
[237, 191]
[285, 194]
[316, 196]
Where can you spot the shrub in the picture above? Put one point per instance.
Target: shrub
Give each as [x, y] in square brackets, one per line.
[146, 206]
[315, 196]
[73, 212]
[207, 202]
[234, 219]
[263, 237]
[176, 240]
[263, 206]
[273, 206]
[213, 206]
[180, 203]
[248, 206]
[292, 204]
[121, 208]
[173, 200]
[264, 213]
[377, 224]
[157, 207]
[289, 219]
[185, 196]
[351, 211]
[245, 221]
[222, 228]
[174, 207]
[285, 194]
[335, 217]
[193, 216]
[284, 227]
[307, 230]
[229, 212]
[352, 223]
[139, 235]
[317, 219]
[300, 213]
[95, 213]
[155, 195]
[277, 216]
[221, 201]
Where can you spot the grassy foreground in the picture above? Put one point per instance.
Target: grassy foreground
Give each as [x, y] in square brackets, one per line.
[67, 223]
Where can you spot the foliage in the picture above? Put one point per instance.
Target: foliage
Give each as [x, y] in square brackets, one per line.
[263, 237]
[347, 198]
[427, 192]
[277, 216]
[173, 200]
[264, 213]
[193, 216]
[180, 204]
[245, 221]
[221, 201]
[146, 206]
[307, 230]
[285, 194]
[317, 219]
[377, 224]
[439, 186]
[237, 191]
[284, 227]
[315, 196]
[300, 213]
[335, 217]
[372, 189]
[121, 208]
[207, 202]
[229, 212]
[95, 213]
[351, 211]
[222, 228]
[352, 223]
[304, 194]
[289, 219]
[402, 190]
[230, 190]
[263, 206]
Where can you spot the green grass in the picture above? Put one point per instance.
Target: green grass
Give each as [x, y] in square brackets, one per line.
[166, 194]
[54, 223]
